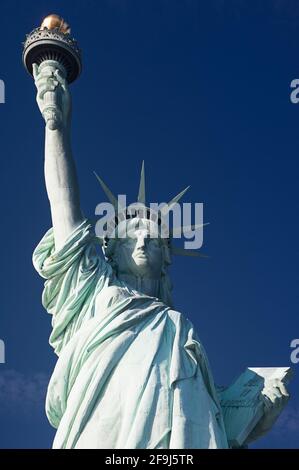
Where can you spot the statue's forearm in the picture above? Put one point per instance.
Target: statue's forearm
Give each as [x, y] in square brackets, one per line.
[62, 184]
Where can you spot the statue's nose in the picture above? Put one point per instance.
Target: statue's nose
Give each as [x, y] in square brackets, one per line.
[140, 244]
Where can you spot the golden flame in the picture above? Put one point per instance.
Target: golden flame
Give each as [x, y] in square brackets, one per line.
[55, 21]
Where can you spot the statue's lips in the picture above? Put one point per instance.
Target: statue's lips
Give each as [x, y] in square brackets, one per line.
[141, 256]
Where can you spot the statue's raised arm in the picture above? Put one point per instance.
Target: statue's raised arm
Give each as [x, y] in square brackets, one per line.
[60, 171]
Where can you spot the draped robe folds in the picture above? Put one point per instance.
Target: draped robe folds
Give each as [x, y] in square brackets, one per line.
[131, 372]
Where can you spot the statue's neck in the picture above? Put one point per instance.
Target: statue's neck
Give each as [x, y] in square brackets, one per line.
[145, 285]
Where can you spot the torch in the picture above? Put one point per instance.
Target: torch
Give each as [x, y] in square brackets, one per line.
[52, 47]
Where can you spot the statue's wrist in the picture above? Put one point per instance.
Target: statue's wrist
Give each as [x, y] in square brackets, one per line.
[54, 122]
[55, 118]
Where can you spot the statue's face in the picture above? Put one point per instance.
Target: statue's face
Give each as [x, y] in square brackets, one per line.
[139, 255]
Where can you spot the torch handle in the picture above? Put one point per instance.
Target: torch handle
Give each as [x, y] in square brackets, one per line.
[52, 111]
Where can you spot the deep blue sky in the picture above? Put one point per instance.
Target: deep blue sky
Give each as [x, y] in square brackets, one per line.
[200, 90]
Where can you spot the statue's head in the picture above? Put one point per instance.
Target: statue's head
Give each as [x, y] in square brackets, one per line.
[138, 250]
[137, 241]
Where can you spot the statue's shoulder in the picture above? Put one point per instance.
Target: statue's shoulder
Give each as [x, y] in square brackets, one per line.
[178, 317]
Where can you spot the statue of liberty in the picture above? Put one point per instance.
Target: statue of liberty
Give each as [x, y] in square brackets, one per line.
[131, 371]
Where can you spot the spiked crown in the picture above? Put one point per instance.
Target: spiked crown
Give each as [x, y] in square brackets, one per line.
[126, 213]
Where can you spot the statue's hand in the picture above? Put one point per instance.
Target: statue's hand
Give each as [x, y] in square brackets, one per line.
[274, 399]
[53, 96]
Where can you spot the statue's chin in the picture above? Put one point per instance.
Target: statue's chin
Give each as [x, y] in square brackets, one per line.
[142, 269]
[146, 268]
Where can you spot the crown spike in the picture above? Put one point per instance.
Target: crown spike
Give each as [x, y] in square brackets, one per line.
[141, 193]
[167, 208]
[107, 191]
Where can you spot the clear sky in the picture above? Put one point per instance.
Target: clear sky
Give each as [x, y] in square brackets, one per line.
[200, 91]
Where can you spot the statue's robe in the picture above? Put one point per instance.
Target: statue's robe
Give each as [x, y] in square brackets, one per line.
[131, 371]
